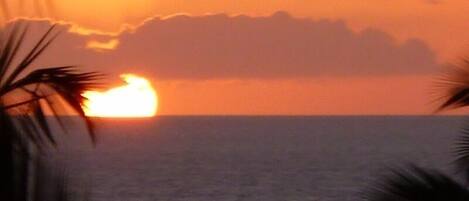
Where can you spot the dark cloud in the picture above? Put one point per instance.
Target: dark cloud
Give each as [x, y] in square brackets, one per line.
[221, 46]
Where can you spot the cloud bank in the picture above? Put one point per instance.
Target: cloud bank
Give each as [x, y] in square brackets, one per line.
[243, 47]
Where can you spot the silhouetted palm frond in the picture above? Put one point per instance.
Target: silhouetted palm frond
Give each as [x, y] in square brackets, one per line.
[27, 98]
[417, 184]
[52, 85]
[456, 84]
[462, 153]
[48, 86]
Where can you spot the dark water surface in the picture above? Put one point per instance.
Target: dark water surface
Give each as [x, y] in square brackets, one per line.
[254, 158]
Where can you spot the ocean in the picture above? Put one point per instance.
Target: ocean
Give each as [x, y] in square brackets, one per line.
[254, 158]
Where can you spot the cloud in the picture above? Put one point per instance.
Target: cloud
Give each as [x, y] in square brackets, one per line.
[243, 47]
[102, 46]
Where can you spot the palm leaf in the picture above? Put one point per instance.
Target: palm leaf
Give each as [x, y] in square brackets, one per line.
[35, 52]
[48, 83]
[10, 47]
[456, 84]
[56, 84]
[462, 153]
[417, 184]
[24, 120]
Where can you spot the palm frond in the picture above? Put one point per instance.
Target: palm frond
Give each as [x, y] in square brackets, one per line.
[456, 83]
[417, 184]
[10, 47]
[462, 153]
[52, 85]
[24, 118]
[47, 86]
[33, 54]
[7, 188]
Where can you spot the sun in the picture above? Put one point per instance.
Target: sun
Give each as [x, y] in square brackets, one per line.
[135, 99]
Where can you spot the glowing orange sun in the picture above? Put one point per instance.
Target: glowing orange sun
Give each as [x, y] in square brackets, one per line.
[135, 99]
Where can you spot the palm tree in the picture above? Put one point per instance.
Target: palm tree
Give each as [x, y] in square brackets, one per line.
[27, 97]
[419, 184]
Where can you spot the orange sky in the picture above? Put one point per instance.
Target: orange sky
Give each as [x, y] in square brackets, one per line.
[440, 24]
[329, 96]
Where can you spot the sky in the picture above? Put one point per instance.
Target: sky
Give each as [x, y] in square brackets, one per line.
[269, 57]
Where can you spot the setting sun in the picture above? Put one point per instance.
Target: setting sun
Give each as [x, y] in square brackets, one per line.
[135, 99]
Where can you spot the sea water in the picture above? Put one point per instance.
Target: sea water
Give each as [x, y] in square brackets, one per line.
[256, 158]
